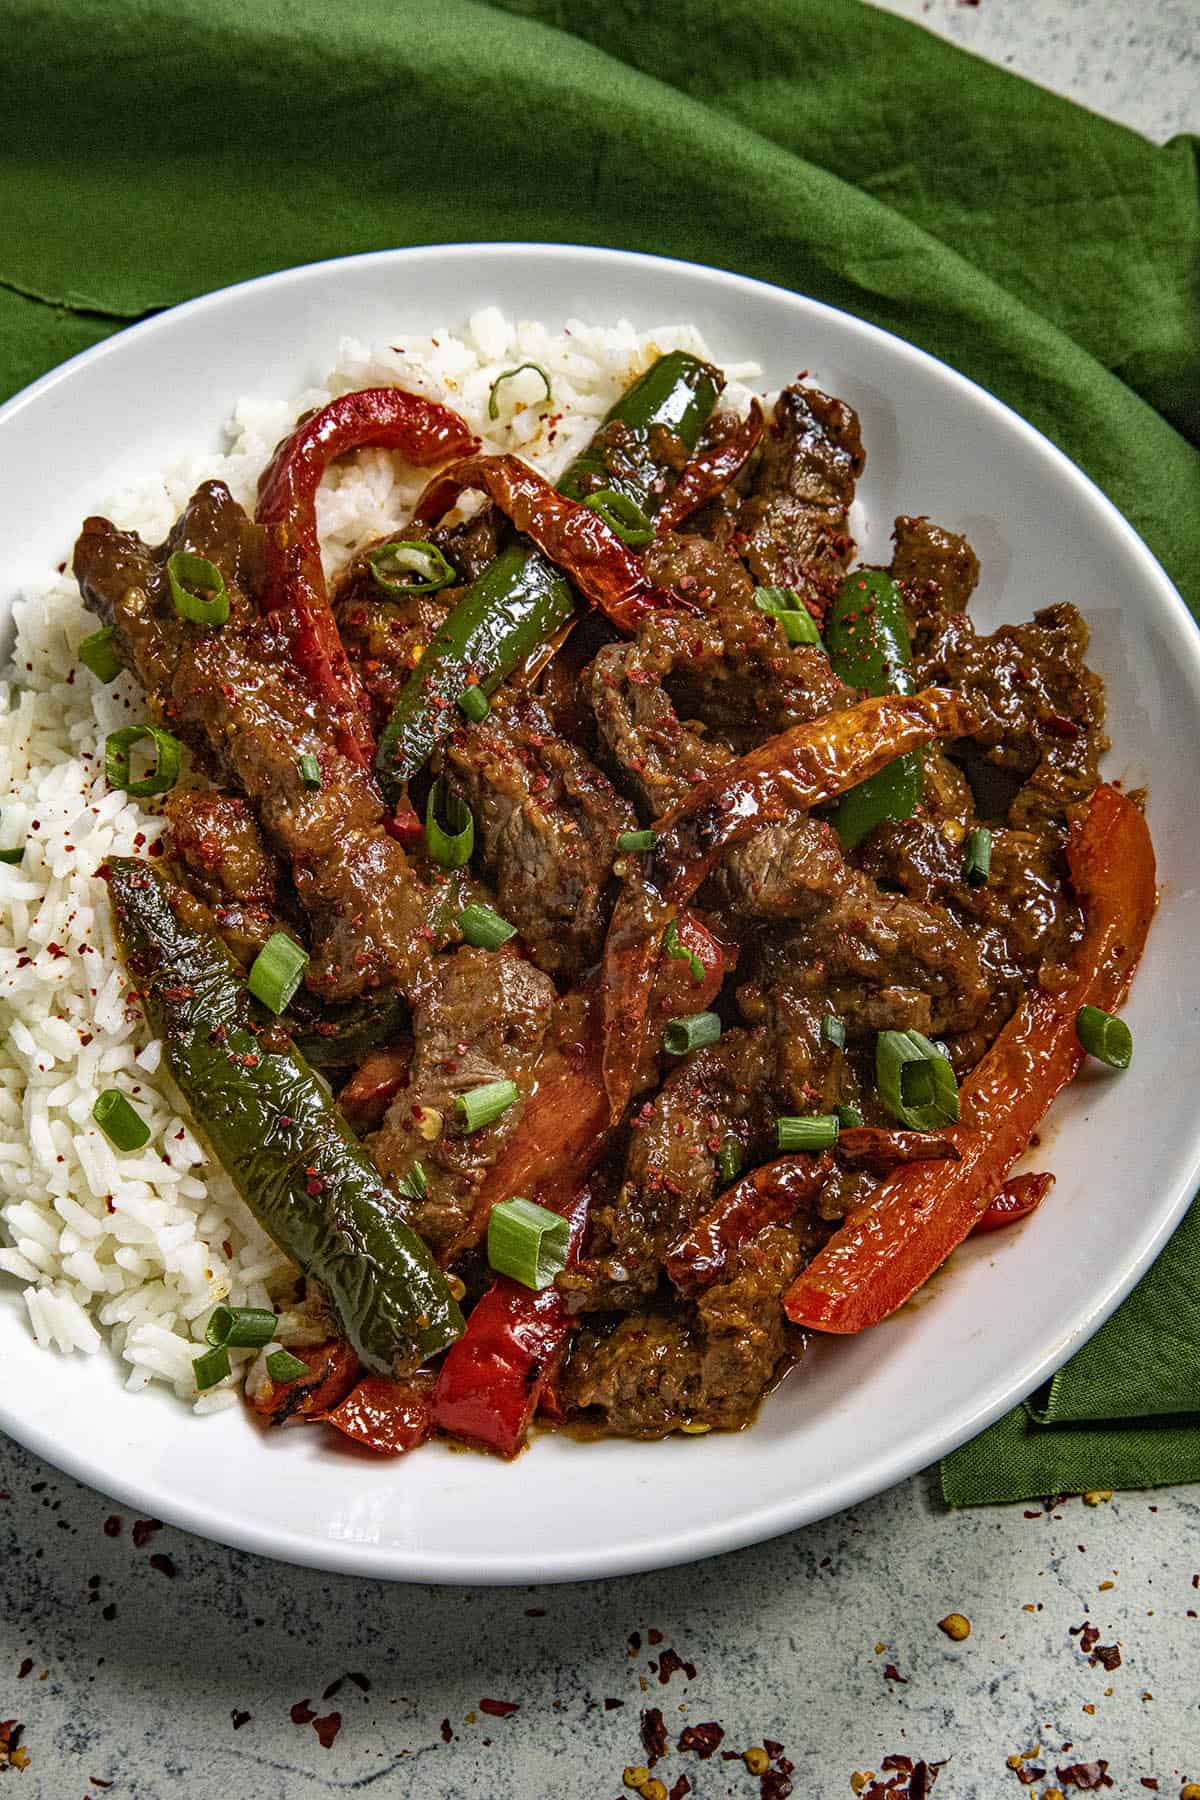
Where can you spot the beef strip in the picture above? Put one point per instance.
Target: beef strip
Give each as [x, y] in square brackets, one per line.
[707, 1364]
[671, 1170]
[478, 1016]
[218, 848]
[547, 822]
[233, 694]
[937, 569]
[793, 526]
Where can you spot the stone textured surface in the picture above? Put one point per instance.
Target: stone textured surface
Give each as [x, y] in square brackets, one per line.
[171, 1667]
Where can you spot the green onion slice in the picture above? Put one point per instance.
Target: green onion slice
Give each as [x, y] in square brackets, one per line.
[819, 1131]
[526, 1242]
[848, 1117]
[121, 1124]
[474, 702]
[389, 562]
[1104, 1036]
[916, 1083]
[310, 771]
[691, 1033]
[494, 391]
[277, 971]
[415, 1183]
[99, 654]
[833, 1030]
[241, 1327]
[197, 588]
[211, 1368]
[730, 1159]
[637, 840]
[117, 765]
[450, 845]
[785, 604]
[977, 856]
[12, 857]
[485, 928]
[283, 1366]
[681, 953]
[622, 515]
[483, 1105]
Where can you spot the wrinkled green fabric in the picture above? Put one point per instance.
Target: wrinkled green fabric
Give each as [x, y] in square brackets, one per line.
[159, 148]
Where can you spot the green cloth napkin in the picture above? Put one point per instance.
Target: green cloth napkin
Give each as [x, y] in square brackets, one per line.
[159, 148]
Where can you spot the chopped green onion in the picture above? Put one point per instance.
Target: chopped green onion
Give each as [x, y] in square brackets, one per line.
[243, 1327]
[833, 1030]
[729, 1159]
[277, 971]
[124, 1127]
[485, 928]
[483, 1105]
[622, 515]
[681, 953]
[99, 654]
[12, 857]
[167, 753]
[637, 840]
[474, 703]
[785, 604]
[415, 1183]
[283, 1366]
[211, 1368]
[819, 1131]
[848, 1117]
[425, 560]
[526, 1242]
[1104, 1036]
[451, 845]
[691, 1033]
[977, 856]
[916, 1082]
[493, 393]
[197, 588]
[310, 771]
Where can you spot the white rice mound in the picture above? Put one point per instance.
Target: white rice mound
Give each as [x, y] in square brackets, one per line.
[135, 1249]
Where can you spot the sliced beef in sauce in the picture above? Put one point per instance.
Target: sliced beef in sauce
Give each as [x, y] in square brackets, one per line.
[215, 841]
[478, 1016]
[937, 569]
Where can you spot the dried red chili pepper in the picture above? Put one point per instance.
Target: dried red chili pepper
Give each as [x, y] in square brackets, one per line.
[710, 472]
[1020, 1195]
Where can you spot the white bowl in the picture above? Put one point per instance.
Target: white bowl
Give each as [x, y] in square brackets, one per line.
[858, 1414]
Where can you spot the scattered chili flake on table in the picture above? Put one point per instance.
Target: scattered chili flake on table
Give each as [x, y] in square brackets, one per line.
[239, 1719]
[12, 1754]
[653, 1734]
[327, 1729]
[447, 1734]
[144, 1530]
[1086, 1775]
[611, 1705]
[499, 1709]
[112, 1525]
[164, 1564]
[25, 1668]
[703, 1740]
[302, 1713]
[681, 1788]
[892, 1673]
[669, 1662]
[1108, 1655]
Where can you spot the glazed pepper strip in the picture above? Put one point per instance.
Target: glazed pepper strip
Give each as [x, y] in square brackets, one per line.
[795, 771]
[574, 537]
[885, 1251]
[710, 473]
[386, 1416]
[1020, 1196]
[489, 1385]
[424, 433]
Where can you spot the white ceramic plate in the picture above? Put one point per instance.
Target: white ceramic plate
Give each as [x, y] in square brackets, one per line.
[858, 1414]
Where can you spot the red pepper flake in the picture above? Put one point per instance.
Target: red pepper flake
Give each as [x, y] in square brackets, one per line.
[773, 1748]
[653, 1636]
[144, 1530]
[682, 1787]
[334, 1688]
[775, 1784]
[611, 1705]
[535, 1612]
[25, 1668]
[669, 1662]
[499, 1709]
[1148, 1781]
[892, 1673]
[635, 1642]
[654, 1735]
[11, 1754]
[1108, 1655]
[239, 1719]
[1088, 1635]
[314, 1185]
[1028, 1773]
[447, 1734]
[302, 1713]
[360, 1681]
[112, 1525]
[328, 1728]
[164, 1565]
[1086, 1775]
[703, 1740]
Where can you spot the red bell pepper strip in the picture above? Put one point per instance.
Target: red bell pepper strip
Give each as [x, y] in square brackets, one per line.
[490, 1383]
[765, 1196]
[1020, 1196]
[710, 472]
[386, 1416]
[424, 433]
[889, 1247]
[795, 771]
[574, 537]
[332, 1368]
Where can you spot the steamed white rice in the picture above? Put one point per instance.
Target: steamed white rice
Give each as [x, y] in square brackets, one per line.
[136, 1249]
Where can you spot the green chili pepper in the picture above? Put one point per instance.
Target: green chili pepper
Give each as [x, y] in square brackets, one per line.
[521, 598]
[274, 1129]
[866, 635]
[340, 1036]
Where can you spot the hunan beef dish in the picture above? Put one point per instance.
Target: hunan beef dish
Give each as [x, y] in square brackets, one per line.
[609, 933]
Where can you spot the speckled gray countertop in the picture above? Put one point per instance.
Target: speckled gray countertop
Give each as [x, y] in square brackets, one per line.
[149, 1665]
